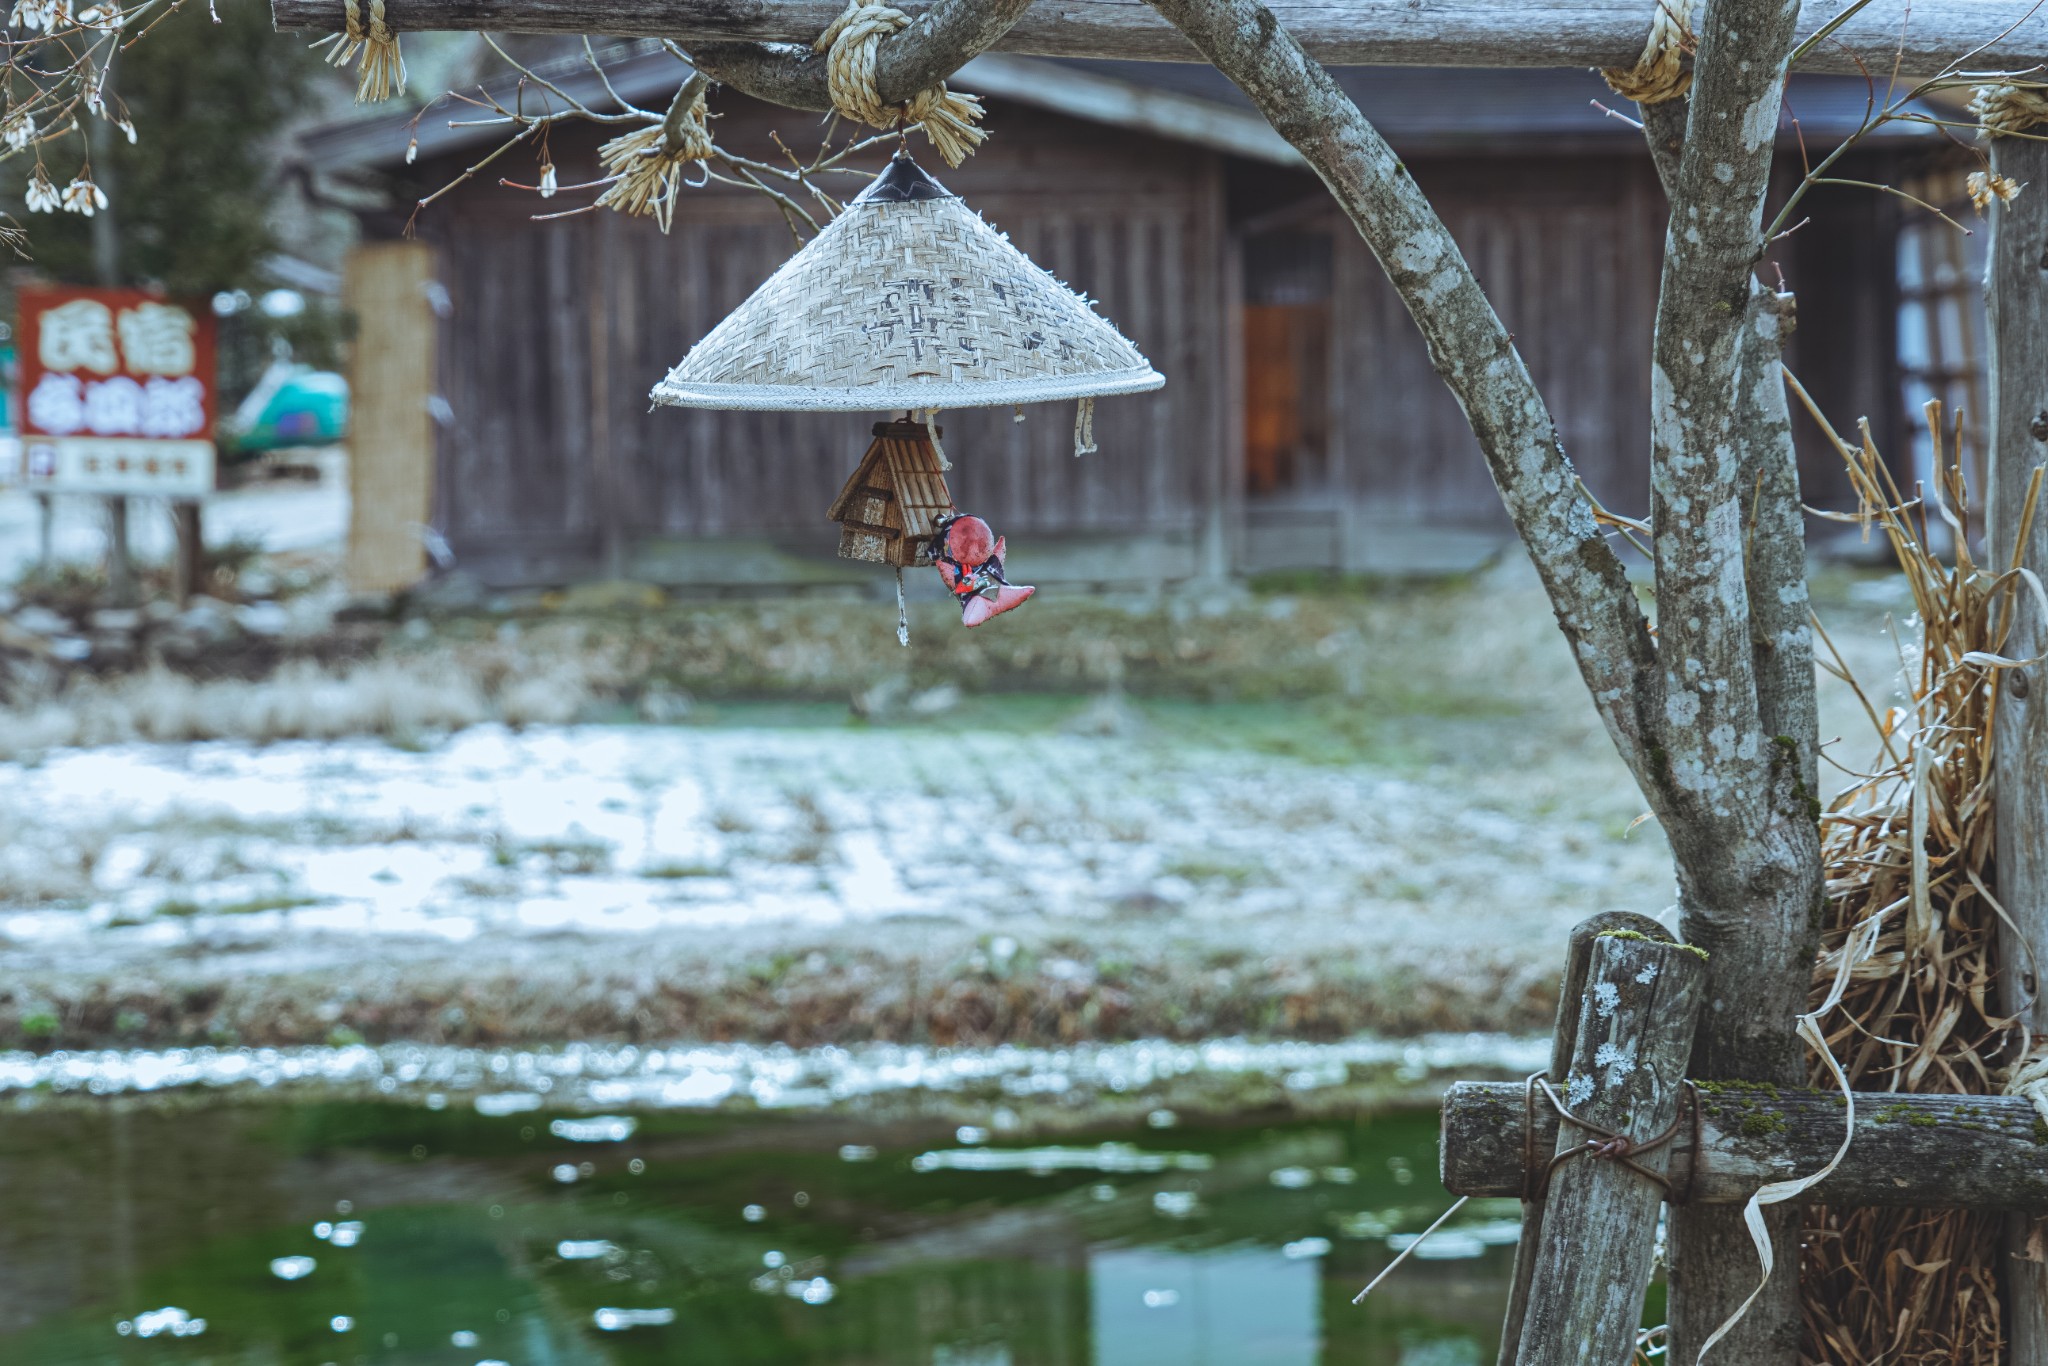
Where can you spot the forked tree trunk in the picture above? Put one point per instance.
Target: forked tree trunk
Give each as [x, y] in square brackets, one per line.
[2017, 294]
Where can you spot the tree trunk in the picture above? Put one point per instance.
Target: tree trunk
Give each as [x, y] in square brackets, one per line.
[1741, 807]
[2017, 294]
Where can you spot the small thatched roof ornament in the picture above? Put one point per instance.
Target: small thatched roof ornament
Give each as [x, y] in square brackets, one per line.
[907, 300]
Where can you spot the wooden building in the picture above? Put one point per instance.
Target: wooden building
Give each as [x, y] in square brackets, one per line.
[1301, 424]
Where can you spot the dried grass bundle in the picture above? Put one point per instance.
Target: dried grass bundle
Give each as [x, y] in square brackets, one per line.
[1910, 846]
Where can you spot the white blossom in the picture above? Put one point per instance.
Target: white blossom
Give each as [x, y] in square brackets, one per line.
[82, 196]
[547, 181]
[18, 131]
[42, 195]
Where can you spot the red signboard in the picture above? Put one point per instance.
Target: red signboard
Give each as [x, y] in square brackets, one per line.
[117, 391]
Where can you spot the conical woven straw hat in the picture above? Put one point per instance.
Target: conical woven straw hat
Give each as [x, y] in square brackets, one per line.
[907, 300]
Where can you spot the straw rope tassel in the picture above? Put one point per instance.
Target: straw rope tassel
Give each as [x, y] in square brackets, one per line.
[1659, 74]
[383, 70]
[646, 166]
[1084, 428]
[902, 612]
[2008, 109]
[948, 119]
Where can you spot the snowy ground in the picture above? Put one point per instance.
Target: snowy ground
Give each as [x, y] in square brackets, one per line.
[632, 830]
[1073, 861]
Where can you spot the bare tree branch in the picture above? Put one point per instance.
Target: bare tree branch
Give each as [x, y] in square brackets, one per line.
[1595, 604]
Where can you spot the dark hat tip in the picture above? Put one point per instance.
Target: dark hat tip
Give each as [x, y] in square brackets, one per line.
[902, 181]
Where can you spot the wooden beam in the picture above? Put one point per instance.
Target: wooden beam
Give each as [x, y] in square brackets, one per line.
[1598, 1236]
[1476, 33]
[2017, 296]
[1963, 1152]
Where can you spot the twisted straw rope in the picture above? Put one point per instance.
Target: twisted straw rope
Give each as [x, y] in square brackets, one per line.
[383, 68]
[2008, 109]
[948, 119]
[1659, 74]
[646, 166]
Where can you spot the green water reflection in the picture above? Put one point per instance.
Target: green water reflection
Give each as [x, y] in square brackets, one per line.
[493, 1239]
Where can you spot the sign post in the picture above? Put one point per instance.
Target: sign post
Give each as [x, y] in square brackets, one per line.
[117, 399]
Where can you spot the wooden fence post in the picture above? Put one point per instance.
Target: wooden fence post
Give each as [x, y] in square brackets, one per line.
[1578, 956]
[1593, 1249]
[2016, 293]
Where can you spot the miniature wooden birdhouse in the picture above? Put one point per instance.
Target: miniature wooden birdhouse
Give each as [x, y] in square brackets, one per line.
[886, 511]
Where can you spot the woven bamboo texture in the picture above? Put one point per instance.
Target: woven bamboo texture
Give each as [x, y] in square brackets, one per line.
[917, 304]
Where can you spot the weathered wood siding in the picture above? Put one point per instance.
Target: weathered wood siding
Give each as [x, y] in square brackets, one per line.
[1568, 249]
[553, 467]
[554, 464]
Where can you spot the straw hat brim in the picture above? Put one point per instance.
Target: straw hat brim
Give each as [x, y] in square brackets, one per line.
[909, 396]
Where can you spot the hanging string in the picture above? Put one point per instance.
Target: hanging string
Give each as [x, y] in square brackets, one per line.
[948, 119]
[1084, 428]
[930, 418]
[902, 612]
[383, 68]
[1659, 74]
[647, 165]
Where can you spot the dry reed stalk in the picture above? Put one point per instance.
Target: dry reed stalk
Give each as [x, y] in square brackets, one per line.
[1911, 846]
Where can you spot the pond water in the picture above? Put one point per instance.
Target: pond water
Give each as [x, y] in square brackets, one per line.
[184, 1231]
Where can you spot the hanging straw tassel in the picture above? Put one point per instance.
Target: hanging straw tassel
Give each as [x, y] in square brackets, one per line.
[948, 119]
[1084, 428]
[383, 69]
[647, 166]
[902, 612]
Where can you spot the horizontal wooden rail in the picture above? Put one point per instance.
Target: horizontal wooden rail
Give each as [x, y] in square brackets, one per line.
[1970, 1152]
[1475, 33]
